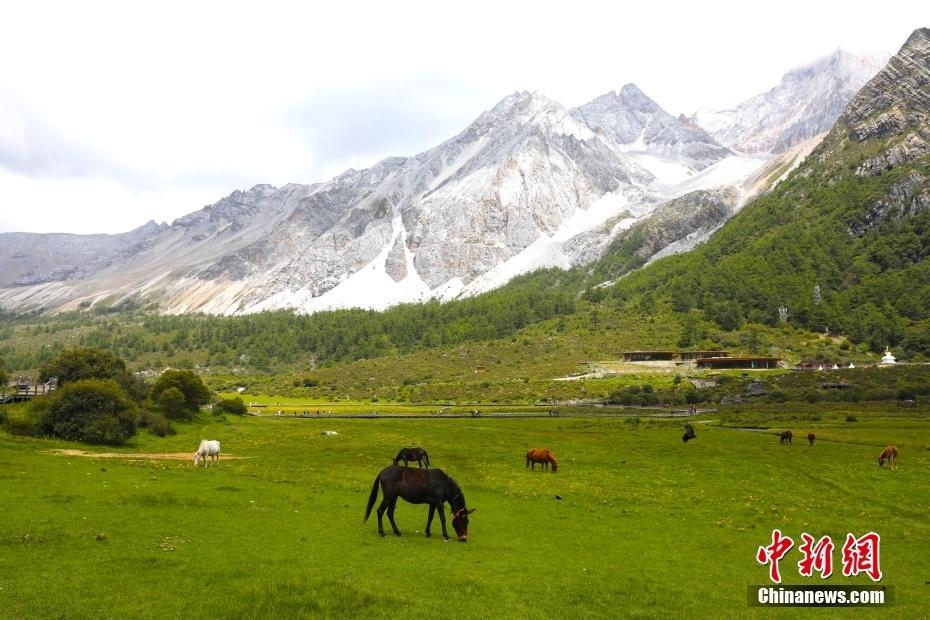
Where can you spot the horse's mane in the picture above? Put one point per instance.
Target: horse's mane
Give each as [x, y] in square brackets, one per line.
[452, 488]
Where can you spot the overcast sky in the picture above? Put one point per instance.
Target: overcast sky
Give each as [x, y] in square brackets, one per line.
[112, 114]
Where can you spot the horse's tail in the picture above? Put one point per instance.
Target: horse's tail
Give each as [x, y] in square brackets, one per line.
[372, 497]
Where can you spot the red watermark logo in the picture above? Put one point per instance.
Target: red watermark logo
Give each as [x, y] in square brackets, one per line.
[859, 555]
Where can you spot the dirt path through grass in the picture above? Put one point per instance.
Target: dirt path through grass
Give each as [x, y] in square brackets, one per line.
[135, 456]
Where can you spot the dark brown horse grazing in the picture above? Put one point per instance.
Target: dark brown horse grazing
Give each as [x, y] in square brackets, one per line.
[420, 486]
[541, 455]
[689, 433]
[412, 454]
[889, 454]
[786, 438]
[811, 437]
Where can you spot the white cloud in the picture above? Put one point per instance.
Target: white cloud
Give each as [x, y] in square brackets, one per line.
[156, 109]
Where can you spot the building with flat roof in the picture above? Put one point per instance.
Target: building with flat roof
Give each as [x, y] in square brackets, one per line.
[694, 355]
[648, 356]
[738, 362]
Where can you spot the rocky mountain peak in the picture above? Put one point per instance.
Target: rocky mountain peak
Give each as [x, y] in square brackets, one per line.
[805, 103]
[634, 121]
[633, 98]
[897, 98]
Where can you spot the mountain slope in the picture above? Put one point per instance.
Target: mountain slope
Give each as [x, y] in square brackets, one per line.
[806, 102]
[842, 243]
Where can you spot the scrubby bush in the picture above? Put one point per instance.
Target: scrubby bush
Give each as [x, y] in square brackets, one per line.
[171, 403]
[156, 424]
[813, 396]
[777, 396]
[21, 420]
[233, 406]
[89, 410]
[878, 394]
[693, 397]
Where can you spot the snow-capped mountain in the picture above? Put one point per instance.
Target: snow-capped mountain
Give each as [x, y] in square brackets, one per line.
[527, 184]
[639, 126]
[806, 102]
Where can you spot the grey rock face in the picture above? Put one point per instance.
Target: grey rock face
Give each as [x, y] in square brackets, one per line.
[896, 99]
[691, 217]
[805, 103]
[906, 198]
[911, 148]
[396, 263]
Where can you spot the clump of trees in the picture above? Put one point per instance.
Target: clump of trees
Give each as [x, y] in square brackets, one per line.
[99, 401]
[179, 394]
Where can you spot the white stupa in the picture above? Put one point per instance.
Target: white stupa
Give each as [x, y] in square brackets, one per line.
[888, 358]
[835, 367]
[851, 365]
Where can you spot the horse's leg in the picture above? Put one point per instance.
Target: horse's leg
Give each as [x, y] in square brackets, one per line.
[381, 508]
[390, 512]
[429, 519]
[442, 520]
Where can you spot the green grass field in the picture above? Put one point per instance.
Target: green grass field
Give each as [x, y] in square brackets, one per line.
[647, 526]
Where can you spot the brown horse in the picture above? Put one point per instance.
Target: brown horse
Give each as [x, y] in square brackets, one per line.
[543, 456]
[889, 454]
[420, 486]
[786, 438]
[811, 437]
[412, 454]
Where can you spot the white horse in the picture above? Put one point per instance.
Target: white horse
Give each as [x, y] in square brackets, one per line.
[207, 448]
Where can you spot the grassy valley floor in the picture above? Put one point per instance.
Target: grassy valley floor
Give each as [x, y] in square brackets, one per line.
[647, 526]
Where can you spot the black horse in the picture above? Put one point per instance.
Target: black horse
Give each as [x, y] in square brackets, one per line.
[786, 437]
[689, 433]
[420, 486]
[412, 454]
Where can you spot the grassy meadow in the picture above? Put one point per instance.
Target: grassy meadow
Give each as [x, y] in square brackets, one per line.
[647, 526]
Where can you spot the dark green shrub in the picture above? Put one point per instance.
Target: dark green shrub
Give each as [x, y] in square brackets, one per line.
[156, 424]
[233, 406]
[693, 397]
[777, 396]
[813, 396]
[89, 410]
[878, 394]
